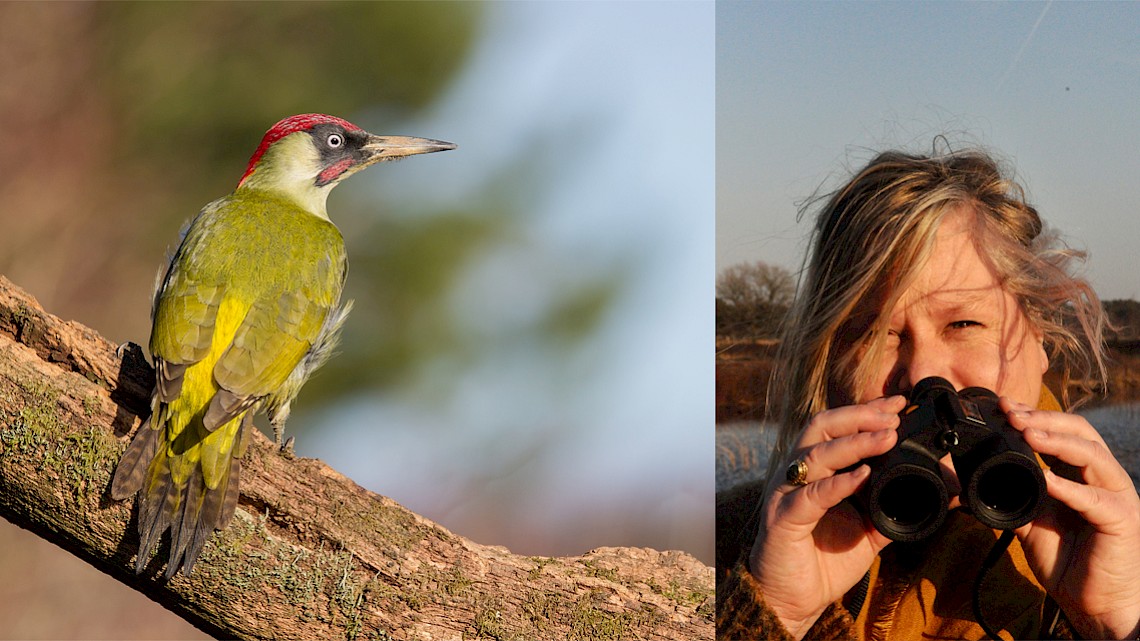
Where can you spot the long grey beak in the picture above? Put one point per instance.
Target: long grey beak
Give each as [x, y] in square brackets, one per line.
[390, 147]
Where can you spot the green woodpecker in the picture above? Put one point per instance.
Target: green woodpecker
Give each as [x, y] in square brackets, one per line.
[248, 307]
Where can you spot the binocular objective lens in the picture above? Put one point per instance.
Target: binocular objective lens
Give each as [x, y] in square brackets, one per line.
[1008, 491]
[910, 501]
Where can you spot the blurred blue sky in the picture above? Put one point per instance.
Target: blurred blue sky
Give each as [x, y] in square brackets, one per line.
[556, 453]
[807, 91]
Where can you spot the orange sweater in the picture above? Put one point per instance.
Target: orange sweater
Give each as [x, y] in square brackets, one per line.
[917, 591]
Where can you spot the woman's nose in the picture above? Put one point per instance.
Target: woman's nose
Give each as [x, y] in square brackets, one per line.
[923, 359]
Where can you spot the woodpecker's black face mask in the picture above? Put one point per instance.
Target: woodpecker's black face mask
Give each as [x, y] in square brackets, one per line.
[340, 149]
[1002, 483]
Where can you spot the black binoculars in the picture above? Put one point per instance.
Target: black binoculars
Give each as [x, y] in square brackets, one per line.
[1002, 483]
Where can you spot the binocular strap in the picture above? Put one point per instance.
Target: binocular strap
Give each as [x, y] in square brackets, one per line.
[991, 560]
[859, 595]
[859, 592]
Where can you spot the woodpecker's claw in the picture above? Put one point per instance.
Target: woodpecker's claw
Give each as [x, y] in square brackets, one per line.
[284, 447]
[123, 349]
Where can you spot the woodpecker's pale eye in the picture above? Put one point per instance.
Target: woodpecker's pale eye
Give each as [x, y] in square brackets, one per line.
[335, 141]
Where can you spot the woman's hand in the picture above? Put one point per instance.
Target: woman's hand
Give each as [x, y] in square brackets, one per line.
[810, 549]
[1085, 549]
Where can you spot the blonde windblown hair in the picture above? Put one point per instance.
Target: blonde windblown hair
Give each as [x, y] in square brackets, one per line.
[870, 238]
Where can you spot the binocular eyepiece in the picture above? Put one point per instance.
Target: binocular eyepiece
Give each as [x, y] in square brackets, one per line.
[1002, 483]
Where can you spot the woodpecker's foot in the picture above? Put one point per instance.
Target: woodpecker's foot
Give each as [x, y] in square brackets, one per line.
[126, 348]
[284, 447]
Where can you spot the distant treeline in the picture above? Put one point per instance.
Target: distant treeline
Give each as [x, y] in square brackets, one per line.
[1124, 316]
[752, 300]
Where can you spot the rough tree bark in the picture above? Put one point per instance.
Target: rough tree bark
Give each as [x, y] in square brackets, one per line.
[309, 555]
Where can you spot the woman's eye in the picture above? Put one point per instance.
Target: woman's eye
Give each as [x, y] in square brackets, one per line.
[962, 324]
[335, 141]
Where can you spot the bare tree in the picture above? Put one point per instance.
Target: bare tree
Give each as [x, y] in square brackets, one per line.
[752, 299]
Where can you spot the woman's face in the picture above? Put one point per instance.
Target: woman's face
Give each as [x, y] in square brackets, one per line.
[956, 321]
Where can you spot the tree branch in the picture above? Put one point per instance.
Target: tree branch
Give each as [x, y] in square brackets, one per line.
[309, 554]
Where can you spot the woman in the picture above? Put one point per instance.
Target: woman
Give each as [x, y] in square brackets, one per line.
[930, 266]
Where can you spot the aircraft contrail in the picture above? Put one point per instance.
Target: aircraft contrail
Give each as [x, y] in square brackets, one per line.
[1028, 38]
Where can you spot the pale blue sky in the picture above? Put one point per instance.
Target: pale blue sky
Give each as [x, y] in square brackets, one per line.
[806, 91]
[610, 443]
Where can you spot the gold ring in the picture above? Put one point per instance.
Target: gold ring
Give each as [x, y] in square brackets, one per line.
[797, 473]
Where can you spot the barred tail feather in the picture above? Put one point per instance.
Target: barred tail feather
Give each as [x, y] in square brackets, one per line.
[158, 502]
[131, 471]
[208, 510]
[232, 491]
[191, 511]
[186, 525]
[228, 505]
